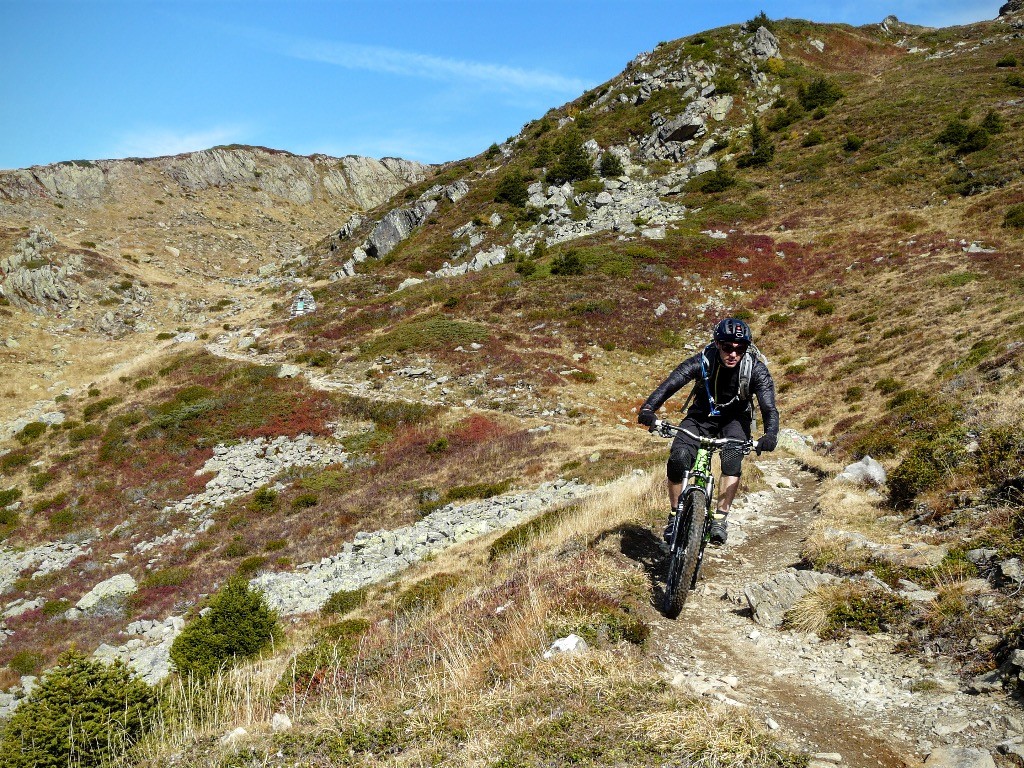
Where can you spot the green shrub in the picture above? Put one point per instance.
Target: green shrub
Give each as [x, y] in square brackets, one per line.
[40, 480]
[761, 20]
[9, 496]
[820, 92]
[566, 264]
[239, 625]
[317, 359]
[26, 662]
[916, 473]
[332, 647]
[82, 714]
[264, 500]
[305, 501]
[79, 435]
[965, 138]
[573, 161]
[611, 165]
[344, 601]
[30, 432]
[166, 577]
[718, 180]
[477, 491]
[888, 385]
[853, 394]
[516, 538]
[427, 592]
[853, 143]
[1014, 216]
[813, 139]
[512, 189]
[762, 150]
[95, 409]
[1008, 60]
[993, 122]
[251, 565]
[438, 446]
[1015, 80]
[164, 335]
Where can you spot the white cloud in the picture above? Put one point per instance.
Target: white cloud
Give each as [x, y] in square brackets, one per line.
[157, 142]
[411, 64]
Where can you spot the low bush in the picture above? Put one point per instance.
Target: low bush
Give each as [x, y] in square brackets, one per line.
[518, 537]
[92, 410]
[963, 137]
[30, 432]
[344, 601]
[332, 647]
[820, 92]
[264, 500]
[853, 143]
[1008, 60]
[512, 189]
[1015, 80]
[83, 713]
[567, 264]
[239, 625]
[611, 165]
[427, 592]
[718, 180]
[1014, 217]
[9, 496]
[305, 501]
[813, 139]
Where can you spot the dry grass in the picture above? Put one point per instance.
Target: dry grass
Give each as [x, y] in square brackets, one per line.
[462, 681]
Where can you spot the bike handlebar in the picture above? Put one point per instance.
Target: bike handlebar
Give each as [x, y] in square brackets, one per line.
[665, 429]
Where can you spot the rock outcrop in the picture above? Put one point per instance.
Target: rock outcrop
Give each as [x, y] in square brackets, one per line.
[36, 278]
[363, 181]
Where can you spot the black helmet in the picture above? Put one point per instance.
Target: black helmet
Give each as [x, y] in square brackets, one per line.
[732, 329]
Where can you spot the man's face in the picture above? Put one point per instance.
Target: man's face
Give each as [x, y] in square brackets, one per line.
[731, 353]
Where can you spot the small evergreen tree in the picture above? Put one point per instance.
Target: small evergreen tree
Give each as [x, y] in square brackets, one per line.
[611, 165]
[512, 189]
[821, 92]
[239, 625]
[573, 161]
[83, 713]
[993, 122]
[762, 150]
[761, 20]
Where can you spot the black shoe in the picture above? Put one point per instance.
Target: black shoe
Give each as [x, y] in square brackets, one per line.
[667, 535]
[719, 532]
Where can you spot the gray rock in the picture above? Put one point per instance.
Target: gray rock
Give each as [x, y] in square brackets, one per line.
[959, 757]
[990, 682]
[52, 418]
[409, 282]
[396, 226]
[867, 471]
[682, 128]
[107, 597]
[288, 371]
[280, 723]
[982, 556]
[770, 600]
[1012, 570]
[764, 45]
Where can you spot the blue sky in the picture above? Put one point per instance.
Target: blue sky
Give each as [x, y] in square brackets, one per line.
[430, 81]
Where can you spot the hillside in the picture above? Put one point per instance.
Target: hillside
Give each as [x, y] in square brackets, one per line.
[436, 472]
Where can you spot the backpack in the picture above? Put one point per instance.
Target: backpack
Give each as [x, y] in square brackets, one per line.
[709, 358]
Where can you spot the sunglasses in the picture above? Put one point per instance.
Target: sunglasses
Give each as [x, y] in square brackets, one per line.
[732, 348]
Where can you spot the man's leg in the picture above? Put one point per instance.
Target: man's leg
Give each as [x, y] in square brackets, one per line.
[732, 463]
[726, 493]
[674, 489]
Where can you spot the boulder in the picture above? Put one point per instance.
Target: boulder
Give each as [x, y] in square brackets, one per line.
[770, 599]
[867, 471]
[280, 723]
[288, 371]
[396, 226]
[570, 644]
[959, 757]
[108, 597]
[682, 128]
[764, 45]
[409, 282]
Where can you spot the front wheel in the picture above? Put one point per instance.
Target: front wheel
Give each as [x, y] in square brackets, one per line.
[683, 565]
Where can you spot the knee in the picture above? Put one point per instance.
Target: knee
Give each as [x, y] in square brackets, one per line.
[732, 463]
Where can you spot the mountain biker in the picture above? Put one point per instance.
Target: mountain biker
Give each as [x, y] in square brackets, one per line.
[718, 410]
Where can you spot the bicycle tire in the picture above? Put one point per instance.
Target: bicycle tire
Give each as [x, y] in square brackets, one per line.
[683, 564]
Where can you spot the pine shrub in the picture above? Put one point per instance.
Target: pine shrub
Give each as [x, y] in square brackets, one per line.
[239, 625]
[512, 189]
[611, 165]
[83, 713]
[1014, 217]
[762, 150]
[820, 92]
[573, 161]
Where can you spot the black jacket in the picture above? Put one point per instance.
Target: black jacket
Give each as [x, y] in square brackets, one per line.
[724, 383]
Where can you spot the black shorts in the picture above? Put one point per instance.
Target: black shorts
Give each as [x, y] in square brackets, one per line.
[684, 447]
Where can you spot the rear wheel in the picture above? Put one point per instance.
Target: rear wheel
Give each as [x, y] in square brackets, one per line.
[682, 567]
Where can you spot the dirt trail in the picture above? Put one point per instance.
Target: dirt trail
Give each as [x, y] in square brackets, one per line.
[856, 698]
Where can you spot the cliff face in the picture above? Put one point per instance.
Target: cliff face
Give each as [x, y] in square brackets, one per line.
[361, 181]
